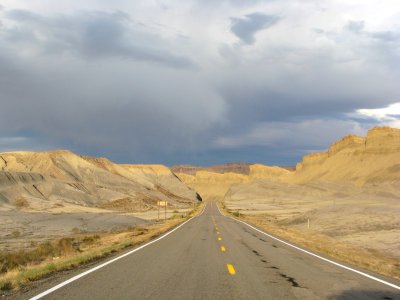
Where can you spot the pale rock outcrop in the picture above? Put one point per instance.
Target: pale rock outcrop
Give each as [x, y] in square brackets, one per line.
[259, 171]
[46, 178]
[212, 185]
[375, 158]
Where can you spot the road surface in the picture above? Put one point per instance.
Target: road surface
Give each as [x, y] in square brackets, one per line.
[216, 257]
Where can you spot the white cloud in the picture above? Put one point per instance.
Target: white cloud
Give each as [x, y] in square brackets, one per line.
[302, 135]
[389, 116]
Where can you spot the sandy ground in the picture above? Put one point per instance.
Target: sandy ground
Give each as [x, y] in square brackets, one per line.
[367, 216]
[20, 229]
[25, 228]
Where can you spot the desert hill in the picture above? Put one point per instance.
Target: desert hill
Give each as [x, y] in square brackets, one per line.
[371, 159]
[240, 168]
[351, 192]
[359, 160]
[215, 184]
[212, 185]
[38, 180]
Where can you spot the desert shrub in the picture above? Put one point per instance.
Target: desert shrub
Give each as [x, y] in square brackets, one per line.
[16, 233]
[90, 239]
[75, 230]
[44, 250]
[176, 216]
[5, 285]
[21, 258]
[139, 230]
[66, 246]
[51, 267]
[21, 202]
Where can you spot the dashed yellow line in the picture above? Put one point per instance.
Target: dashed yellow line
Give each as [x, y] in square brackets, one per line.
[219, 238]
[231, 269]
[223, 249]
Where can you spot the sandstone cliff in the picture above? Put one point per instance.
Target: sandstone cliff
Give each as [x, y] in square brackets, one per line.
[212, 185]
[354, 159]
[350, 192]
[371, 159]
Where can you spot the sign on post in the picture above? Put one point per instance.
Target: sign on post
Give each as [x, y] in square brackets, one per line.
[160, 204]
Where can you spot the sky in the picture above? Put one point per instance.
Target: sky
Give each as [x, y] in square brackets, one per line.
[196, 82]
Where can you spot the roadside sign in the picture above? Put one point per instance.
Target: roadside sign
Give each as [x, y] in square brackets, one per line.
[160, 204]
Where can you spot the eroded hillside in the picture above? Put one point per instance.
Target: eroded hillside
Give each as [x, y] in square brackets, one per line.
[44, 195]
[44, 179]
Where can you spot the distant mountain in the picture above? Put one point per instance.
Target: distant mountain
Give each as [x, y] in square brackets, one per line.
[240, 168]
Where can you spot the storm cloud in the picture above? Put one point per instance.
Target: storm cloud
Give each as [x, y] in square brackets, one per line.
[94, 35]
[169, 83]
[245, 28]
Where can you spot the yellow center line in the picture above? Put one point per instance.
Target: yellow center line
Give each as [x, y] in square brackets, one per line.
[223, 249]
[231, 269]
[217, 232]
[219, 238]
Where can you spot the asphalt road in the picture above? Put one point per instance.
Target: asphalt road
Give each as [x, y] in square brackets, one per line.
[216, 257]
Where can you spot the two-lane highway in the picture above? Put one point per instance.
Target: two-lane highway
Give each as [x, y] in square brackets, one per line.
[217, 257]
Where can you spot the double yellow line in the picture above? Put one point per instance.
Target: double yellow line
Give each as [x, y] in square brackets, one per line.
[231, 269]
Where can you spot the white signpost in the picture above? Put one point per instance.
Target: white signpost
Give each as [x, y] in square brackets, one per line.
[160, 204]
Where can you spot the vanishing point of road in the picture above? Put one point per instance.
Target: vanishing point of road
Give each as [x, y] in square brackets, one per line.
[216, 257]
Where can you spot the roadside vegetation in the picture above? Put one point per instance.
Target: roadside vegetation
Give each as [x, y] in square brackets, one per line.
[365, 258]
[18, 269]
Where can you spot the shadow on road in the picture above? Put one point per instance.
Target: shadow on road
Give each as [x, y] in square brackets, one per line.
[367, 294]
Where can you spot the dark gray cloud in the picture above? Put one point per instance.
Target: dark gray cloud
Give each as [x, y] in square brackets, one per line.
[112, 84]
[91, 83]
[94, 35]
[107, 109]
[246, 27]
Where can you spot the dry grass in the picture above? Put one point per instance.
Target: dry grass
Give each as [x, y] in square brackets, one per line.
[21, 268]
[369, 259]
[21, 203]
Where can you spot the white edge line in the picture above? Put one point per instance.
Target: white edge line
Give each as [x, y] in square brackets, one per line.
[315, 255]
[60, 285]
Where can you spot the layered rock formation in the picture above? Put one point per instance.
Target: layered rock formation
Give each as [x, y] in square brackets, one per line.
[350, 192]
[45, 179]
[213, 185]
[371, 159]
[358, 160]
[259, 171]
